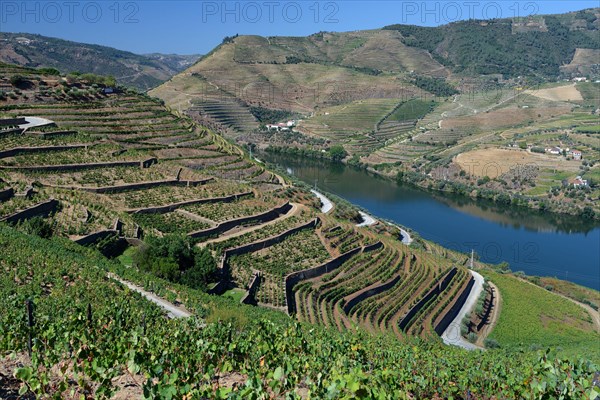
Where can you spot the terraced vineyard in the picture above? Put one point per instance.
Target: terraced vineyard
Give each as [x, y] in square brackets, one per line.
[185, 179]
[172, 222]
[114, 341]
[219, 212]
[297, 252]
[106, 154]
[139, 171]
[229, 113]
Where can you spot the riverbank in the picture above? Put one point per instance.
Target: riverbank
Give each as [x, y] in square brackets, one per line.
[427, 183]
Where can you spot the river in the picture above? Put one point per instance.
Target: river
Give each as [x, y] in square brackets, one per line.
[538, 244]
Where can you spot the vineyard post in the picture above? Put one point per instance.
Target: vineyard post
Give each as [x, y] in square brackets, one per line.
[30, 323]
[89, 314]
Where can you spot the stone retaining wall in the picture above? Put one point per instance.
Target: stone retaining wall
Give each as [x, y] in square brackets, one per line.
[96, 236]
[488, 311]
[171, 207]
[52, 134]
[40, 149]
[6, 194]
[434, 292]
[454, 310]
[79, 167]
[370, 293]
[250, 296]
[227, 225]
[135, 186]
[41, 209]
[12, 121]
[294, 278]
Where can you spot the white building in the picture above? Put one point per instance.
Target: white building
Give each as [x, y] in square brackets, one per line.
[579, 182]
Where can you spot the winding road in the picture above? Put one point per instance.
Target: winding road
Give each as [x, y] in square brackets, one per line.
[367, 219]
[451, 335]
[326, 204]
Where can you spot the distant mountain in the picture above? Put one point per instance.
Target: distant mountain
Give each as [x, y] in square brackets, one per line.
[537, 46]
[140, 71]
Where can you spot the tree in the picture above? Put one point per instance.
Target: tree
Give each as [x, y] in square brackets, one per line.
[337, 152]
[175, 258]
[202, 272]
[587, 213]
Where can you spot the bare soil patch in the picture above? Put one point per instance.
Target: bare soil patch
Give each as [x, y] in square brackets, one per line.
[560, 93]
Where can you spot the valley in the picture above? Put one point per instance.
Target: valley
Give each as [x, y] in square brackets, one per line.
[408, 212]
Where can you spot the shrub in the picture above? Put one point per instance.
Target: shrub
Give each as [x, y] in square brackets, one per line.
[36, 226]
[472, 337]
[17, 80]
[491, 344]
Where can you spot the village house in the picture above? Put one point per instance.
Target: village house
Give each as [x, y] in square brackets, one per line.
[554, 150]
[579, 182]
[576, 154]
[282, 126]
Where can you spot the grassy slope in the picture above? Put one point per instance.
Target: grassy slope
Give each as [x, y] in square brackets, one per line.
[534, 317]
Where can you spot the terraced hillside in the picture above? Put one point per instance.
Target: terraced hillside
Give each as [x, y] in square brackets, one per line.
[139, 71]
[298, 74]
[111, 169]
[115, 342]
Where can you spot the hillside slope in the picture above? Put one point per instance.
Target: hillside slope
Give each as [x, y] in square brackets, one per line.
[140, 71]
[331, 78]
[537, 46]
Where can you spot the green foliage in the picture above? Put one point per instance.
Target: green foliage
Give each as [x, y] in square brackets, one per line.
[17, 80]
[337, 152]
[412, 110]
[491, 343]
[274, 355]
[533, 316]
[588, 213]
[271, 116]
[490, 48]
[36, 226]
[436, 86]
[176, 259]
[48, 71]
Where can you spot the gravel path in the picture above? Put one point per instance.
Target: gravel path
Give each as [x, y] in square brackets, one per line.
[172, 310]
[452, 334]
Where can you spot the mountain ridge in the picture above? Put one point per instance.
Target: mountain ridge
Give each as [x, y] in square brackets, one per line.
[130, 69]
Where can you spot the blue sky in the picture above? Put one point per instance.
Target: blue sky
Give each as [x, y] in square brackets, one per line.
[196, 26]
